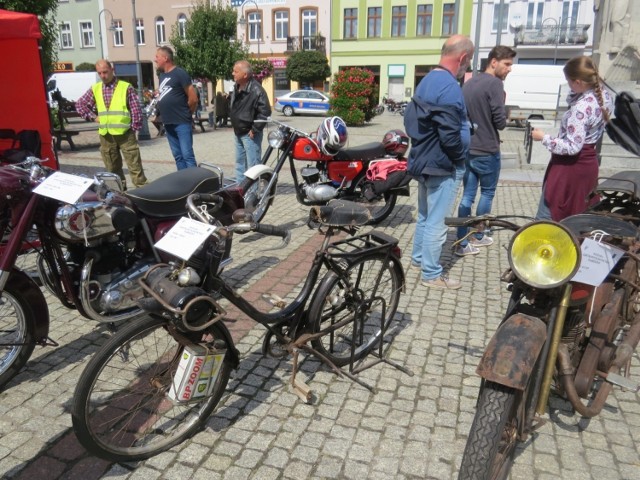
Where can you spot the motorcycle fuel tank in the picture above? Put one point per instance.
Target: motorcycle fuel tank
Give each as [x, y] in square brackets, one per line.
[306, 149]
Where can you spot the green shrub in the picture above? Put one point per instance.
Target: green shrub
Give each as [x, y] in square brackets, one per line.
[353, 94]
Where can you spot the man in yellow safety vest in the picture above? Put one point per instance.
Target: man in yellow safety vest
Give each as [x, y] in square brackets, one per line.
[113, 103]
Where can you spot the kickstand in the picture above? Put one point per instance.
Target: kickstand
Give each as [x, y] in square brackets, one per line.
[300, 388]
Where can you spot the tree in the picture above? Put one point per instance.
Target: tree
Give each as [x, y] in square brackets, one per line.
[209, 48]
[353, 95]
[46, 12]
[85, 67]
[307, 66]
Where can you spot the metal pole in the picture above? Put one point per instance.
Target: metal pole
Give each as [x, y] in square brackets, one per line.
[500, 16]
[143, 134]
[476, 40]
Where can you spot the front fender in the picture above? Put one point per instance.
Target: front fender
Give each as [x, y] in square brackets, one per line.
[20, 281]
[513, 350]
[257, 170]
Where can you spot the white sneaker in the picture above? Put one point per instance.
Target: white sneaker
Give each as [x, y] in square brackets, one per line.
[444, 282]
[482, 242]
[468, 249]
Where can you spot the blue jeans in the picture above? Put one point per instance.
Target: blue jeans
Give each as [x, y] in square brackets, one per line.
[436, 199]
[543, 213]
[248, 153]
[180, 138]
[483, 171]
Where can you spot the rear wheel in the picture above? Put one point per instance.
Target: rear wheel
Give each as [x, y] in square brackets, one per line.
[355, 315]
[380, 206]
[254, 190]
[17, 332]
[288, 111]
[493, 437]
[121, 409]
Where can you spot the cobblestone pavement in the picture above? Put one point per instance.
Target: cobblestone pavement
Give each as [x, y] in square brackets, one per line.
[415, 427]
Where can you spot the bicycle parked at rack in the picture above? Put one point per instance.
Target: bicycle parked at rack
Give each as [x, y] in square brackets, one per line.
[133, 400]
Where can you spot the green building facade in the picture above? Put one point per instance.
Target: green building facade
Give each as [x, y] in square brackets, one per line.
[399, 40]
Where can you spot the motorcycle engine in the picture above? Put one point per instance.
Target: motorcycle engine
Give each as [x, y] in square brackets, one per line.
[86, 221]
[313, 189]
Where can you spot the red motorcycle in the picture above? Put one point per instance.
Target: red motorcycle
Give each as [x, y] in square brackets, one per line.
[91, 253]
[373, 173]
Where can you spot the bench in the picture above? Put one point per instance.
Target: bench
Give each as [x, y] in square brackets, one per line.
[198, 121]
[63, 133]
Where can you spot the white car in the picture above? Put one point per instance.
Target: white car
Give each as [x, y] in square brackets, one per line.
[302, 101]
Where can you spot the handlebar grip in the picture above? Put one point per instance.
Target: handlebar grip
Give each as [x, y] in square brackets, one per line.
[272, 230]
[460, 221]
[206, 197]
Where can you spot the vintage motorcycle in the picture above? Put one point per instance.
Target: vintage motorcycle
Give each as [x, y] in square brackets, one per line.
[571, 326]
[332, 171]
[90, 253]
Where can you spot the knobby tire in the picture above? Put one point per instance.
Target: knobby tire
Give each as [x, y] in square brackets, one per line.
[121, 411]
[253, 192]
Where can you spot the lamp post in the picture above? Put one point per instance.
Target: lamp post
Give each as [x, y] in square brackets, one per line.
[243, 21]
[111, 28]
[556, 36]
[143, 134]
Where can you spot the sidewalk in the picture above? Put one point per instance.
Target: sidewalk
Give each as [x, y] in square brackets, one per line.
[415, 427]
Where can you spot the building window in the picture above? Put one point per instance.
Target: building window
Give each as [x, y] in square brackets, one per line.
[255, 26]
[570, 11]
[66, 38]
[535, 12]
[86, 34]
[281, 24]
[140, 31]
[399, 21]
[504, 19]
[350, 23]
[374, 22]
[449, 19]
[309, 29]
[118, 33]
[161, 36]
[425, 20]
[182, 25]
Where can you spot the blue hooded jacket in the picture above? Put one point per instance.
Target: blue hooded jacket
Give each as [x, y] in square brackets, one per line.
[436, 120]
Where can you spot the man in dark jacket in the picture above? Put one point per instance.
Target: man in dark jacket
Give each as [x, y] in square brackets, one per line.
[249, 102]
[440, 135]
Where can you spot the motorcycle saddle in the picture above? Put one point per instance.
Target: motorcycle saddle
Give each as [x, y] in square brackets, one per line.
[624, 182]
[585, 223]
[340, 213]
[167, 196]
[366, 152]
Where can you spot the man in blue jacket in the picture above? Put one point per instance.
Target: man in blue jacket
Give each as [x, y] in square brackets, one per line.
[439, 129]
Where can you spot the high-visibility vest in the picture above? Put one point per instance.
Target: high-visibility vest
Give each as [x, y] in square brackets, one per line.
[115, 120]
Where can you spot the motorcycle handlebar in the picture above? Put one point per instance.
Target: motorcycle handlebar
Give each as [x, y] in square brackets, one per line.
[481, 220]
[217, 201]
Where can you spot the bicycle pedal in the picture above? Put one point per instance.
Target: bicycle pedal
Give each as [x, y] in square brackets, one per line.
[623, 382]
[274, 300]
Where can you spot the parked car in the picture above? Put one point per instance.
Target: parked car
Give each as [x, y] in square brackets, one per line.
[302, 101]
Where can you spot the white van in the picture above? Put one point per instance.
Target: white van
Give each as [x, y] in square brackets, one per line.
[72, 85]
[535, 92]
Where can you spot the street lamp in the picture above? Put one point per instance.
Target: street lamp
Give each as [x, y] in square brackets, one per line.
[143, 134]
[111, 28]
[556, 36]
[243, 21]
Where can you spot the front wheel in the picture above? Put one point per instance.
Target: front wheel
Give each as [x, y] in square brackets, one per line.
[355, 311]
[288, 111]
[17, 332]
[121, 408]
[254, 190]
[493, 437]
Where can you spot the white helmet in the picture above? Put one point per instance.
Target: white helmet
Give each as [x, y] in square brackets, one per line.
[332, 135]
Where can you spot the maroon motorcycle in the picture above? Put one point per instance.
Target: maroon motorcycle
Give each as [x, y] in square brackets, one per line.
[91, 253]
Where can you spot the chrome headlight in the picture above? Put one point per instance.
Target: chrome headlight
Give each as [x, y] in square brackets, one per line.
[275, 138]
[544, 254]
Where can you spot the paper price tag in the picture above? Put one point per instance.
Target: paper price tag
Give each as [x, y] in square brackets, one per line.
[598, 260]
[64, 187]
[184, 238]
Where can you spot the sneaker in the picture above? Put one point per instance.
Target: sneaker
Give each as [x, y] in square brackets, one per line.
[468, 249]
[480, 242]
[444, 282]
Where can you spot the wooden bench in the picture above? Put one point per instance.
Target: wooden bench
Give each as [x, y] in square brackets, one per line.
[63, 133]
[198, 121]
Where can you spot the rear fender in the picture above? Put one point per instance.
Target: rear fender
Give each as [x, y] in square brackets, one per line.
[513, 350]
[33, 295]
[233, 354]
[257, 170]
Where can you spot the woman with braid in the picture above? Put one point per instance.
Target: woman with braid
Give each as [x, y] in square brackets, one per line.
[573, 170]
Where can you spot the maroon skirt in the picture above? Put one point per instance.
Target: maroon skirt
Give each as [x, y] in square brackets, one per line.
[569, 180]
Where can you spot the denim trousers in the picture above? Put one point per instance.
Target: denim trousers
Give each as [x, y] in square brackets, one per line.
[436, 199]
[483, 171]
[248, 153]
[543, 213]
[180, 138]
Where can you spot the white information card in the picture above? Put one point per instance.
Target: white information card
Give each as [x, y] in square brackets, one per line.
[184, 237]
[64, 187]
[598, 260]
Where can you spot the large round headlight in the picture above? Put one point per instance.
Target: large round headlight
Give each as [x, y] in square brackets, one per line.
[544, 254]
[276, 138]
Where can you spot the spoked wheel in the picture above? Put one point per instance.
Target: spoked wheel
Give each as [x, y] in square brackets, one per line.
[254, 190]
[355, 318]
[381, 207]
[121, 409]
[492, 440]
[17, 332]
